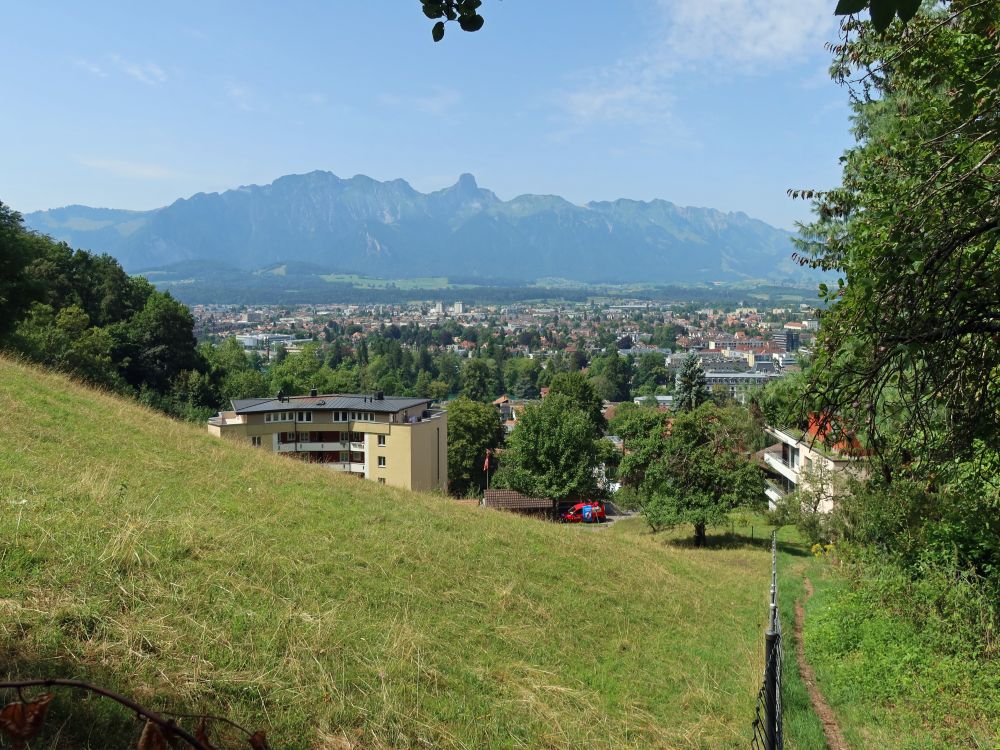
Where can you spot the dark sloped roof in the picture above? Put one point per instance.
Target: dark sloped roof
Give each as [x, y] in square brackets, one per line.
[513, 500]
[389, 404]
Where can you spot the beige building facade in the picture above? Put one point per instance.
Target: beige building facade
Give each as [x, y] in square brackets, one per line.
[397, 441]
[802, 462]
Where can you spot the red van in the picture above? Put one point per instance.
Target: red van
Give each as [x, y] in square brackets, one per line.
[588, 512]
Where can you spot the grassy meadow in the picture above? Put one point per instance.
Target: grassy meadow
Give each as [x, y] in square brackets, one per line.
[204, 576]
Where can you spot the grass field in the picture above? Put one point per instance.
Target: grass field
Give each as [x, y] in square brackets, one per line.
[143, 554]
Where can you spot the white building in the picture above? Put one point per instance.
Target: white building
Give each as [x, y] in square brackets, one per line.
[802, 461]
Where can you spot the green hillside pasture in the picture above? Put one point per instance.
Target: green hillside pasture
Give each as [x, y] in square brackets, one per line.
[336, 613]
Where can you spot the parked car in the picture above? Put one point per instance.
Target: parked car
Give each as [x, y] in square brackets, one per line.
[588, 512]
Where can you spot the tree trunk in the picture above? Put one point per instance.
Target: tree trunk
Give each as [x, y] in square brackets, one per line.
[699, 535]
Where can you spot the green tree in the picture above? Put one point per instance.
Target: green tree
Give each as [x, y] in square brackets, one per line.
[705, 470]
[612, 377]
[909, 345]
[478, 383]
[644, 433]
[299, 372]
[576, 387]
[66, 341]
[17, 290]
[521, 376]
[691, 390]
[473, 428]
[157, 343]
[244, 384]
[229, 356]
[651, 371]
[553, 452]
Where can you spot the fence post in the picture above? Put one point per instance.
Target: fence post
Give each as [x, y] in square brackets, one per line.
[768, 733]
[771, 686]
[772, 660]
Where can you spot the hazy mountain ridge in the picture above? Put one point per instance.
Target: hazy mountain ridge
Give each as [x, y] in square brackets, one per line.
[362, 225]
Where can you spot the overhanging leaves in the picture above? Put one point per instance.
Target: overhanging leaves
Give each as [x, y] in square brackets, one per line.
[22, 721]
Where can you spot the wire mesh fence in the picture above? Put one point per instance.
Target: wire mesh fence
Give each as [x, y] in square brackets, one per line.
[767, 722]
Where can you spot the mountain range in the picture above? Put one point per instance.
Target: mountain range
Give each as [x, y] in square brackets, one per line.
[362, 226]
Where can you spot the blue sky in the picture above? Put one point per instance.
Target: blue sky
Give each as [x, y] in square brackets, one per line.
[721, 103]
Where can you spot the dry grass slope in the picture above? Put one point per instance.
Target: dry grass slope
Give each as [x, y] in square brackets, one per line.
[336, 613]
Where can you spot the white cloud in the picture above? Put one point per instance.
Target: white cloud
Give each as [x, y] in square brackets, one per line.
[129, 169]
[745, 33]
[91, 67]
[691, 38]
[149, 73]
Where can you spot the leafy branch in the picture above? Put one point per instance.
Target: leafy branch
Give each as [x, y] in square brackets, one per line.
[22, 720]
[462, 11]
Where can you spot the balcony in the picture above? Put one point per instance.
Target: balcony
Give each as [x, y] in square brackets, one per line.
[775, 492]
[293, 447]
[354, 468]
[359, 447]
[774, 459]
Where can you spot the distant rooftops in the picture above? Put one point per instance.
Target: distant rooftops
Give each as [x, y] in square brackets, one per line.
[329, 402]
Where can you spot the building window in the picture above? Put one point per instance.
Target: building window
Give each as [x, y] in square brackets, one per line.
[255, 440]
[381, 462]
[305, 416]
[381, 480]
[381, 441]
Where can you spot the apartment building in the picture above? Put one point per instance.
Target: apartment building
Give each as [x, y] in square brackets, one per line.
[737, 385]
[392, 440]
[804, 461]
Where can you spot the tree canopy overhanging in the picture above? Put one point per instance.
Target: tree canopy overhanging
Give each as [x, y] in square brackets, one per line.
[910, 344]
[466, 13]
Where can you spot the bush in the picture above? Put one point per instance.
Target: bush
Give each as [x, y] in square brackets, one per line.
[954, 610]
[914, 650]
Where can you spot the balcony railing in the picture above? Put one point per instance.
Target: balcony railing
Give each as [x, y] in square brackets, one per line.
[776, 461]
[291, 446]
[355, 468]
[776, 488]
[776, 457]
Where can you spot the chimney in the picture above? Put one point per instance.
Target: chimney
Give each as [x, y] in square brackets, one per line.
[281, 395]
[379, 395]
[313, 393]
